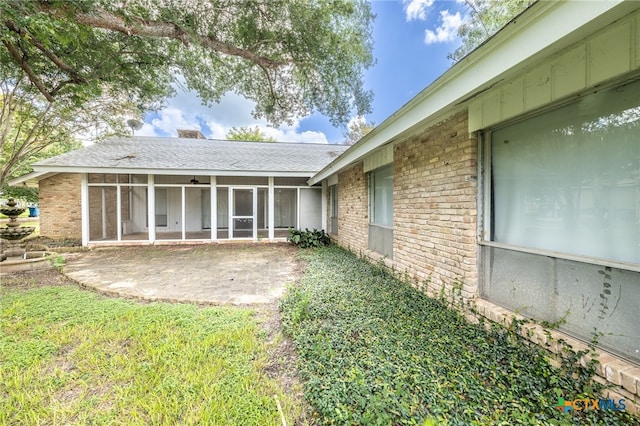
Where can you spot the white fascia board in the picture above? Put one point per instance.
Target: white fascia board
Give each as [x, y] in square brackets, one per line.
[30, 179]
[181, 172]
[544, 26]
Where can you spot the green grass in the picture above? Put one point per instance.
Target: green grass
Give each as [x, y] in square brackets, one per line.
[25, 213]
[69, 356]
[373, 350]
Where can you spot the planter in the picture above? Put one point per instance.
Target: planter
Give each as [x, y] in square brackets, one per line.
[34, 211]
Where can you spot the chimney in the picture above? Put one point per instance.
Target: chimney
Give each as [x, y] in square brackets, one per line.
[190, 134]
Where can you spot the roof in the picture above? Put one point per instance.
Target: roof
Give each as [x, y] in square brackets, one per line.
[201, 156]
[539, 31]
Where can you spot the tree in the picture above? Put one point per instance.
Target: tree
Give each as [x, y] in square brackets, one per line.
[291, 58]
[356, 129]
[248, 134]
[486, 17]
[32, 128]
[109, 59]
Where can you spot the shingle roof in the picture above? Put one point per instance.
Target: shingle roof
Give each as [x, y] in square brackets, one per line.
[197, 154]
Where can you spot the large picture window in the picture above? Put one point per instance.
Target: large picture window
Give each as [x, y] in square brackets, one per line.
[569, 180]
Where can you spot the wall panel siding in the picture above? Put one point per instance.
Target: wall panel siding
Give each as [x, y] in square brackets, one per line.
[379, 158]
[607, 55]
[569, 73]
[610, 53]
[537, 88]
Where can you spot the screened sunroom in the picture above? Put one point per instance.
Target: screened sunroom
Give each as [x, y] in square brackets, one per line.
[148, 190]
[148, 208]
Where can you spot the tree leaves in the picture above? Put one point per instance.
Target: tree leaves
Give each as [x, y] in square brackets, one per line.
[291, 58]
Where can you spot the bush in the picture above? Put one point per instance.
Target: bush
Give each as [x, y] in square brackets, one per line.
[308, 239]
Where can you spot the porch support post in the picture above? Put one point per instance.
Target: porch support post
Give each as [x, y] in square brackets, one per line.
[298, 208]
[118, 211]
[230, 212]
[255, 213]
[324, 207]
[84, 206]
[271, 209]
[151, 208]
[214, 209]
[184, 212]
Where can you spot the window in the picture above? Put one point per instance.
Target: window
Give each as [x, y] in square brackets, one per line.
[569, 180]
[333, 199]
[381, 196]
[380, 237]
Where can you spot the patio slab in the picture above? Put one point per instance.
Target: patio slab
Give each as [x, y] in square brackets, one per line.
[206, 274]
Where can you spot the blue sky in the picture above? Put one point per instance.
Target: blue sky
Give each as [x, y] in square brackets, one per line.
[411, 41]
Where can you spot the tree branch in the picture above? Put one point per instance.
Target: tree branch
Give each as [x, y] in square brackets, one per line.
[75, 76]
[27, 69]
[158, 29]
[475, 11]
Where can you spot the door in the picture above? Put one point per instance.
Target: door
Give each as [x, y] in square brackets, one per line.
[243, 208]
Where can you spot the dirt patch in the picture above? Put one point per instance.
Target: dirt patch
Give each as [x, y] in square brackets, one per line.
[35, 279]
[283, 360]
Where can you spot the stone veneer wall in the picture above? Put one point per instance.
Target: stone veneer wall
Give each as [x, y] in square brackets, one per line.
[353, 211]
[60, 206]
[435, 208]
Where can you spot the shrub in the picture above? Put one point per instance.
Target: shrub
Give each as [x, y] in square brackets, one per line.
[307, 238]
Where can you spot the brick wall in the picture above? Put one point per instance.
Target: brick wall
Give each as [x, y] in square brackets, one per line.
[435, 225]
[435, 207]
[60, 206]
[353, 212]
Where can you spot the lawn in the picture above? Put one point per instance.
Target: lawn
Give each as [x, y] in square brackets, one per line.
[70, 356]
[374, 351]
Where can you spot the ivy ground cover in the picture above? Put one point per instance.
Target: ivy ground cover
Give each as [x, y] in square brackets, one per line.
[373, 350]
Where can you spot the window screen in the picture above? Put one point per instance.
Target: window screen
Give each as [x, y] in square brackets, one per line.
[569, 180]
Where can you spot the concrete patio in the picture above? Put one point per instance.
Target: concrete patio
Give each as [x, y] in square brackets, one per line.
[207, 274]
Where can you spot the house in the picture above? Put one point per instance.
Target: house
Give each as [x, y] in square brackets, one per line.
[143, 190]
[513, 180]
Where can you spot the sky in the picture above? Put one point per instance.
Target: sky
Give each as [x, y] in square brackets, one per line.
[412, 39]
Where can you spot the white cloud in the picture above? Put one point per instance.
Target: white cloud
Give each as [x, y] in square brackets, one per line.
[185, 111]
[417, 9]
[447, 31]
